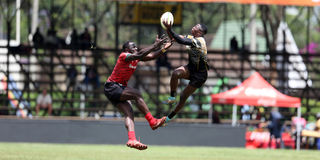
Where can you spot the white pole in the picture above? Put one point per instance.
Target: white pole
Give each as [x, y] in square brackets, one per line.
[253, 32]
[234, 115]
[18, 6]
[82, 96]
[253, 27]
[210, 114]
[35, 10]
[298, 129]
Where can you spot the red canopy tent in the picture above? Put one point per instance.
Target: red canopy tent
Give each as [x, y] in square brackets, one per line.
[256, 91]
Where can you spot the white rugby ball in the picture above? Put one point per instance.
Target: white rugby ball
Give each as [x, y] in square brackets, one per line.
[166, 17]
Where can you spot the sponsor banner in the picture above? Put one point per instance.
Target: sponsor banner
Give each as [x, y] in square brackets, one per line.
[137, 13]
[256, 139]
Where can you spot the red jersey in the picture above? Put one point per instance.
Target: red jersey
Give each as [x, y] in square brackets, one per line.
[123, 69]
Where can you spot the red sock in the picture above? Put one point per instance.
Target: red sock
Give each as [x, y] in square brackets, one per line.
[150, 119]
[132, 135]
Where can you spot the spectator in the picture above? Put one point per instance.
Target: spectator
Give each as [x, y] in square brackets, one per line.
[215, 117]
[37, 39]
[85, 39]
[91, 84]
[162, 61]
[245, 110]
[91, 79]
[71, 76]
[44, 101]
[275, 127]
[318, 130]
[52, 40]
[73, 39]
[234, 44]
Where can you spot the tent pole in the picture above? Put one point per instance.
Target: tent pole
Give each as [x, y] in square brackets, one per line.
[234, 115]
[210, 114]
[298, 129]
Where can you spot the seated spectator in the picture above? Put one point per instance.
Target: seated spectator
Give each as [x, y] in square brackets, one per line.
[37, 39]
[85, 39]
[44, 101]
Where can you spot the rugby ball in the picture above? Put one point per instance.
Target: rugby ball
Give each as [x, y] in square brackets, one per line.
[166, 17]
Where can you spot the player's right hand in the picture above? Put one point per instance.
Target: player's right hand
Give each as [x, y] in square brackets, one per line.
[168, 26]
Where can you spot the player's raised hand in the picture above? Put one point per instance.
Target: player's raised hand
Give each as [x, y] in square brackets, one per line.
[159, 41]
[168, 44]
[167, 25]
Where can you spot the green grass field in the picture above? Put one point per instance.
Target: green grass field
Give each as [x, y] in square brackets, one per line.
[37, 151]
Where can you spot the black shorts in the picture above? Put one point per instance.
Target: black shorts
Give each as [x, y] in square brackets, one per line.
[197, 78]
[113, 91]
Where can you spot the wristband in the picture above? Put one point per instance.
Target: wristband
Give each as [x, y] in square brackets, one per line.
[167, 119]
[163, 50]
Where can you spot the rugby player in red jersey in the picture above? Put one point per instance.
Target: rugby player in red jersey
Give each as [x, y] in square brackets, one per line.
[117, 91]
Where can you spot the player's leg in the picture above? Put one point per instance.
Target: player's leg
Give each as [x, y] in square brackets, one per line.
[134, 94]
[127, 111]
[197, 79]
[179, 73]
[183, 98]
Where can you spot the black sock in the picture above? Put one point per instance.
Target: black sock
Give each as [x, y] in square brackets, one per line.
[172, 114]
[173, 93]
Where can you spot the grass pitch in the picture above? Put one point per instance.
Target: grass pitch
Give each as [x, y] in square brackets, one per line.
[40, 151]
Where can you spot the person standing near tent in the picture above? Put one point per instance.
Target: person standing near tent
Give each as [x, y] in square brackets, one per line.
[196, 70]
[275, 127]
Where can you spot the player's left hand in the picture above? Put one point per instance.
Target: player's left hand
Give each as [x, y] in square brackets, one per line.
[168, 44]
[159, 41]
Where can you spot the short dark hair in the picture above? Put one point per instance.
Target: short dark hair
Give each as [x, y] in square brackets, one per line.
[203, 29]
[125, 46]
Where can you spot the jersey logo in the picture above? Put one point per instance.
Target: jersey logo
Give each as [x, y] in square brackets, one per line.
[131, 66]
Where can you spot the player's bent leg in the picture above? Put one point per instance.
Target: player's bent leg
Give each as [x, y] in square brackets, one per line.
[179, 73]
[134, 94]
[183, 97]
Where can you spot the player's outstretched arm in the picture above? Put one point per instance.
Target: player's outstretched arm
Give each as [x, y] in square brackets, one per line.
[156, 54]
[145, 51]
[179, 38]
